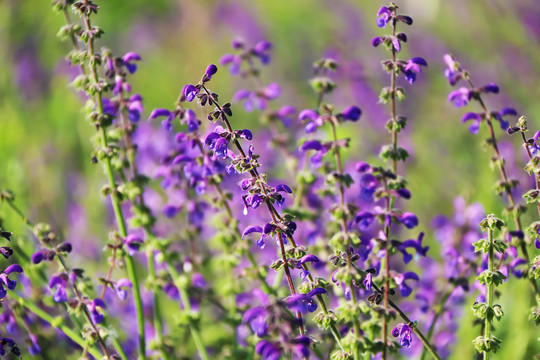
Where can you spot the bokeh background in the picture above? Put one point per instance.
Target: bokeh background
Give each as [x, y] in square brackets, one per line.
[44, 140]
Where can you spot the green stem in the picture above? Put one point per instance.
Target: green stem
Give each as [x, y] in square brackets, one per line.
[130, 264]
[344, 228]
[75, 289]
[489, 293]
[187, 307]
[55, 322]
[516, 214]
[158, 324]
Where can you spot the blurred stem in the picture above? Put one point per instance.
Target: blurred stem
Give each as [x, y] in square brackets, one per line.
[193, 328]
[140, 204]
[345, 230]
[55, 322]
[73, 284]
[130, 264]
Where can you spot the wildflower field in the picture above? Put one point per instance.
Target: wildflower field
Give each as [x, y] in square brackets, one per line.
[270, 179]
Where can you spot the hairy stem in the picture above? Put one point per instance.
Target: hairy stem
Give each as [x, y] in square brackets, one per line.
[345, 230]
[516, 214]
[130, 263]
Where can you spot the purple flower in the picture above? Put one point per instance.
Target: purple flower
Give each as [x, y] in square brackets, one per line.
[133, 243]
[404, 332]
[37, 257]
[364, 219]
[234, 62]
[352, 113]
[167, 123]
[172, 291]
[476, 118]
[211, 70]
[59, 284]
[190, 92]
[129, 59]
[514, 267]
[267, 350]
[401, 279]
[256, 319]
[383, 17]
[452, 71]
[135, 107]
[413, 67]
[6, 281]
[415, 244]
[121, 286]
[255, 229]
[285, 114]
[304, 302]
[490, 88]
[95, 308]
[409, 220]
[499, 116]
[368, 281]
[262, 51]
[460, 97]
[376, 41]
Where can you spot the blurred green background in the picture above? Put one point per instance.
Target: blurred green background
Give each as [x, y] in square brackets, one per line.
[44, 140]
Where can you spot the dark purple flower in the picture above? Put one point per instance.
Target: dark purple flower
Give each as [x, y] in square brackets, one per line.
[499, 115]
[376, 41]
[245, 134]
[59, 284]
[304, 302]
[95, 308]
[135, 107]
[133, 243]
[37, 257]
[413, 67]
[352, 113]
[409, 220]
[190, 92]
[415, 244]
[6, 251]
[129, 59]
[267, 350]
[404, 332]
[211, 70]
[490, 88]
[364, 219]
